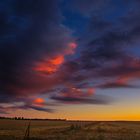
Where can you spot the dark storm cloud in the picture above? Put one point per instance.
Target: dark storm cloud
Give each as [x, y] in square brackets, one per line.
[39, 108]
[111, 33]
[114, 21]
[110, 44]
[87, 6]
[80, 96]
[33, 43]
[115, 85]
[30, 30]
[129, 68]
[5, 109]
[75, 100]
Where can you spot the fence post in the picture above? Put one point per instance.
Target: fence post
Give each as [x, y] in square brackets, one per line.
[27, 132]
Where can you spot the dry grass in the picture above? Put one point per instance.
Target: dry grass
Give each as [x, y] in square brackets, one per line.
[65, 130]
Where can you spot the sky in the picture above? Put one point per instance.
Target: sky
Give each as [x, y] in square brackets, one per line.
[77, 59]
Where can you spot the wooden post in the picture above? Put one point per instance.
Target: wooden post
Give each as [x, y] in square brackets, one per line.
[27, 133]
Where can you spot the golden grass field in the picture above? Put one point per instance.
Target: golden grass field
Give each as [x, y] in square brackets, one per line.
[69, 130]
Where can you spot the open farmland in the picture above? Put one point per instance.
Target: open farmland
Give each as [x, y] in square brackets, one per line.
[69, 130]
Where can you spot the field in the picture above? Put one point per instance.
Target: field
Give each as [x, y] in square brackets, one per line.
[69, 130]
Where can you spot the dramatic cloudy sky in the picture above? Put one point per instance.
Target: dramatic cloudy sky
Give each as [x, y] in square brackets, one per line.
[76, 59]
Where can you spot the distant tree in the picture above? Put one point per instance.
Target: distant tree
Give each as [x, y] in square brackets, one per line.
[16, 118]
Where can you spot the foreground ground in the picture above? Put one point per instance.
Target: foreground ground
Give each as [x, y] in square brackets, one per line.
[68, 130]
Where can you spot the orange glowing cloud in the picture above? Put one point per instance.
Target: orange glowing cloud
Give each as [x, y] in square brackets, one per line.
[52, 65]
[39, 101]
[57, 60]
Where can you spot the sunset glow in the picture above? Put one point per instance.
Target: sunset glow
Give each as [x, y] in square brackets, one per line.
[76, 59]
[39, 101]
[51, 65]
